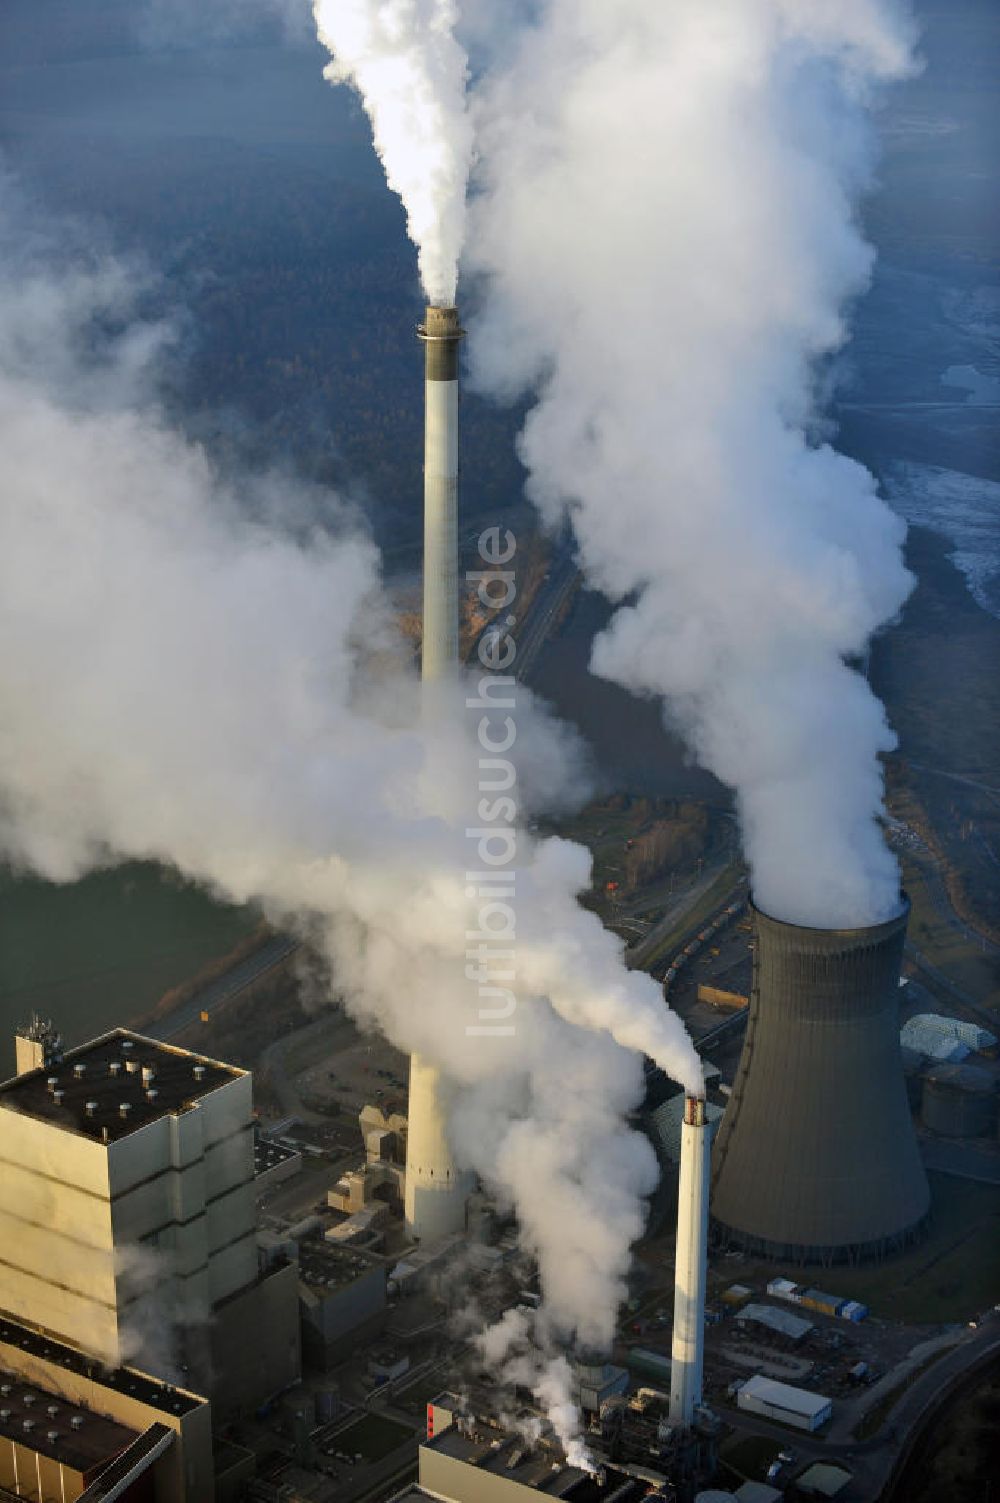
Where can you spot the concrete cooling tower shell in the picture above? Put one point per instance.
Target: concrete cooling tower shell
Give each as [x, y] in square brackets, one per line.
[816, 1157]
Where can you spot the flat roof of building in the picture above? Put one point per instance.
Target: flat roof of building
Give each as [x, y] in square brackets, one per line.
[824, 1478]
[267, 1154]
[325, 1266]
[782, 1321]
[70, 1433]
[100, 1090]
[129, 1380]
[784, 1396]
[541, 1466]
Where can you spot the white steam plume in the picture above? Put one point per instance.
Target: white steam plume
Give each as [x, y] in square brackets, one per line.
[405, 61]
[666, 224]
[518, 1351]
[205, 672]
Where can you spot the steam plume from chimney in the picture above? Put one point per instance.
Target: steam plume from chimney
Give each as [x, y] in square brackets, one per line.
[665, 225]
[404, 60]
[203, 670]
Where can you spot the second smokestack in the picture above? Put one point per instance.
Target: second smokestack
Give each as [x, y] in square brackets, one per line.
[691, 1267]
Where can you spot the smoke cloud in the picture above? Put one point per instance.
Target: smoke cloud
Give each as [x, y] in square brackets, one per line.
[666, 235]
[202, 669]
[410, 70]
[518, 1351]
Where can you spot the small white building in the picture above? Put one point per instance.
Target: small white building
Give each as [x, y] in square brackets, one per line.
[782, 1402]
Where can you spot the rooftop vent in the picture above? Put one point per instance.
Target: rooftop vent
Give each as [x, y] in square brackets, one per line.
[115, 1067]
[28, 1399]
[124, 1109]
[127, 1046]
[151, 1094]
[28, 1424]
[79, 1071]
[76, 1422]
[57, 1097]
[199, 1072]
[52, 1082]
[53, 1436]
[53, 1410]
[91, 1108]
[148, 1075]
[132, 1066]
[4, 1415]
[5, 1389]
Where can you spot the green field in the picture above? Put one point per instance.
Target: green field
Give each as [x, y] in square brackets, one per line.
[953, 1274]
[750, 1456]
[963, 960]
[100, 952]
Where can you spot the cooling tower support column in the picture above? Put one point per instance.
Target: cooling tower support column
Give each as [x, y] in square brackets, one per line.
[816, 1158]
[436, 1192]
[691, 1265]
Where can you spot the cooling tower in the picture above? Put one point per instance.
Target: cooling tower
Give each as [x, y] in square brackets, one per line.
[691, 1264]
[436, 1192]
[816, 1158]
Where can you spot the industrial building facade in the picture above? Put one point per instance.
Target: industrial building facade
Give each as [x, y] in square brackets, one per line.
[467, 1462]
[128, 1241]
[126, 1165]
[127, 1203]
[66, 1423]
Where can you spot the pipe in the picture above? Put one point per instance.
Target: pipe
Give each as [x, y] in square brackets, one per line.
[691, 1264]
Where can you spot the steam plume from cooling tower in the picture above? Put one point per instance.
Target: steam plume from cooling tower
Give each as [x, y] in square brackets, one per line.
[204, 671]
[405, 61]
[666, 227]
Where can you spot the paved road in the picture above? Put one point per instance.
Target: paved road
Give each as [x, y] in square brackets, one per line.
[964, 1159]
[532, 632]
[636, 957]
[958, 777]
[226, 987]
[957, 993]
[325, 1028]
[872, 1461]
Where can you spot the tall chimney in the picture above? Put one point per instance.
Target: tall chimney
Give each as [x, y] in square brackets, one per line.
[436, 1192]
[441, 334]
[816, 1159]
[691, 1264]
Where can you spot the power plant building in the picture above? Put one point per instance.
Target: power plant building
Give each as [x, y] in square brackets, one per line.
[68, 1425]
[469, 1463]
[816, 1158]
[128, 1210]
[780, 1401]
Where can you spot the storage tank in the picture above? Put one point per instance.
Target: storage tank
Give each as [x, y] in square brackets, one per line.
[816, 1157]
[959, 1101]
[327, 1405]
[913, 1073]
